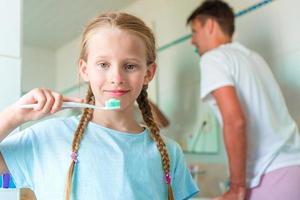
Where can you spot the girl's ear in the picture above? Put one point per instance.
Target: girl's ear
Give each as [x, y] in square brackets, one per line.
[151, 69]
[83, 70]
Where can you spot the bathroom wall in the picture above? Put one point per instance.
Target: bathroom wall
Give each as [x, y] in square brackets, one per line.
[10, 51]
[39, 68]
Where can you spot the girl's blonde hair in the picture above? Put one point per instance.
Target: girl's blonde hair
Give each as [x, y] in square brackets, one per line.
[136, 26]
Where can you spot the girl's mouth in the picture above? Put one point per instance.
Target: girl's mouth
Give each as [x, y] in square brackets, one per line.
[116, 93]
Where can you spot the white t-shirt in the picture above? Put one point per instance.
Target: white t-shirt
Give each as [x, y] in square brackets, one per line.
[272, 135]
[111, 164]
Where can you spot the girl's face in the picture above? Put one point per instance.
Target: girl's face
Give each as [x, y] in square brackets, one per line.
[116, 66]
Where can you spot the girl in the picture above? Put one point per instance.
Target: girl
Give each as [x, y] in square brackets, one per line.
[112, 156]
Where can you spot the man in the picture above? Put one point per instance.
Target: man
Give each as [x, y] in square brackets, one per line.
[261, 138]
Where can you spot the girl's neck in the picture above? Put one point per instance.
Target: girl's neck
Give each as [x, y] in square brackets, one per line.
[123, 121]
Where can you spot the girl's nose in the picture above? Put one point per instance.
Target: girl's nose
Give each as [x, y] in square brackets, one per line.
[117, 77]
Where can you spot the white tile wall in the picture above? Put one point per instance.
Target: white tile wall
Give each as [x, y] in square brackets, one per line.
[10, 86]
[10, 20]
[10, 45]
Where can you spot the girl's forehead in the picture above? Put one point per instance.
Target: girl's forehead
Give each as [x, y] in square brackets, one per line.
[109, 35]
[110, 40]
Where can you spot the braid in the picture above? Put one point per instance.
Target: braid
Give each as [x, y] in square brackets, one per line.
[84, 120]
[154, 133]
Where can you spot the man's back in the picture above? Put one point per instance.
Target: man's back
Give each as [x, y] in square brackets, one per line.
[269, 124]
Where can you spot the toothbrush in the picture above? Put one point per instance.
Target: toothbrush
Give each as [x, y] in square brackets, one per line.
[111, 104]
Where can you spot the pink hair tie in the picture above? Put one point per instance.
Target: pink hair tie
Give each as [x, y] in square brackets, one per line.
[74, 156]
[168, 178]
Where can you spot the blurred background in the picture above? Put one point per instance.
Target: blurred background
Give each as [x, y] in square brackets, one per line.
[39, 47]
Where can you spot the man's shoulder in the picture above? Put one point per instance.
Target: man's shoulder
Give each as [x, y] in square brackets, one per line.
[225, 52]
[214, 55]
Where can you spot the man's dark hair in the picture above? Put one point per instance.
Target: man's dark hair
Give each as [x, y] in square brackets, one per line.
[217, 10]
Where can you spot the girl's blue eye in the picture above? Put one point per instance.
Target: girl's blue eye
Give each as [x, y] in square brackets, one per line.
[103, 65]
[130, 67]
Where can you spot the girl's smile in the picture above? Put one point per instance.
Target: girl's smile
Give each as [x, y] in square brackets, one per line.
[116, 93]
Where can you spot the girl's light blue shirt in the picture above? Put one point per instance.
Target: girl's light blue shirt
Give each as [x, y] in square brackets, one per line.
[111, 164]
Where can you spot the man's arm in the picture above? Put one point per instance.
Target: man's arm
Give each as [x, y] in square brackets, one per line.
[234, 131]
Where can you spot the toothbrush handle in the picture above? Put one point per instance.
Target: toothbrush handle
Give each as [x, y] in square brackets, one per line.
[79, 105]
[66, 105]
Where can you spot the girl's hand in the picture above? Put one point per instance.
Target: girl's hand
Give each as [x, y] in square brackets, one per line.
[48, 102]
